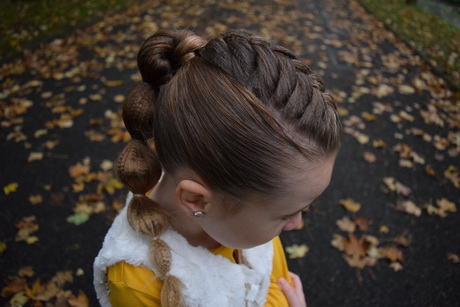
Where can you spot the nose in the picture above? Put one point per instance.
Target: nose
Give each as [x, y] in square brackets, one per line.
[293, 222]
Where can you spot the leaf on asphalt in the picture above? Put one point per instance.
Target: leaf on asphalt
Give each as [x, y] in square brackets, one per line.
[13, 286]
[297, 251]
[379, 144]
[408, 206]
[18, 300]
[35, 199]
[3, 247]
[119, 98]
[396, 186]
[350, 204]
[443, 207]
[396, 266]
[369, 157]
[430, 171]
[362, 223]
[452, 174]
[26, 227]
[345, 224]
[384, 229]
[10, 188]
[81, 300]
[453, 257]
[62, 277]
[78, 218]
[26, 271]
[392, 253]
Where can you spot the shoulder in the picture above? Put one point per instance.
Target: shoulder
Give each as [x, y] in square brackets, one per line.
[133, 285]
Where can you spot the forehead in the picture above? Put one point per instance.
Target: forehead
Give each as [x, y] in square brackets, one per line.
[300, 184]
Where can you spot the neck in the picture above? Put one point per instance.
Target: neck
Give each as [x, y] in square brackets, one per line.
[164, 194]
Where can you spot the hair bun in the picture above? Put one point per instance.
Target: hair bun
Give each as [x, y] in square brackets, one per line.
[163, 53]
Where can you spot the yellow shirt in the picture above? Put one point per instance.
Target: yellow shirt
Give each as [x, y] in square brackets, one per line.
[137, 286]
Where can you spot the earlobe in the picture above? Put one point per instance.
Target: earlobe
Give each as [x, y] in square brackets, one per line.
[193, 196]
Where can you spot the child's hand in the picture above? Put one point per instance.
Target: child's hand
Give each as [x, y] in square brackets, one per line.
[294, 296]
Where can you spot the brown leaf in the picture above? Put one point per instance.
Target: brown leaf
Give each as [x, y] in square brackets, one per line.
[362, 223]
[13, 286]
[79, 301]
[392, 253]
[355, 246]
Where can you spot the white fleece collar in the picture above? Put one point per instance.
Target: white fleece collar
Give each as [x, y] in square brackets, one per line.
[210, 280]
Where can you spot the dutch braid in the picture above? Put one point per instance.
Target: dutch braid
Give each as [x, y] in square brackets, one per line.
[138, 166]
[281, 82]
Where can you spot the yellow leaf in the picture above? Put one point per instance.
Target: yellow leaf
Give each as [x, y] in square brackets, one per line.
[26, 271]
[350, 204]
[297, 251]
[2, 247]
[79, 301]
[36, 287]
[10, 188]
[384, 229]
[453, 257]
[35, 199]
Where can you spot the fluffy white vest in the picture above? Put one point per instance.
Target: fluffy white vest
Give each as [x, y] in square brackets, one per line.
[210, 280]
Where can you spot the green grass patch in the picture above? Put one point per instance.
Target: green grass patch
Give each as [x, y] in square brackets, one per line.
[435, 39]
[23, 23]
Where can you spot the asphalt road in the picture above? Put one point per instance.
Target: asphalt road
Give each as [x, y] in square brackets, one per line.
[59, 106]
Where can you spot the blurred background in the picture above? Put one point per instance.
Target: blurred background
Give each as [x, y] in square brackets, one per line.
[387, 230]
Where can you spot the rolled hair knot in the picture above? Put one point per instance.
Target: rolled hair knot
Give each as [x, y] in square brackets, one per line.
[138, 111]
[147, 217]
[138, 167]
[163, 53]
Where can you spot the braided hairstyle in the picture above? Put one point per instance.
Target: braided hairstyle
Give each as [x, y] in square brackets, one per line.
[234, 110]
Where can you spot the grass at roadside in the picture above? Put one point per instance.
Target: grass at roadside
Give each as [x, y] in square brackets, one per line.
[432, 37]
[23, 23]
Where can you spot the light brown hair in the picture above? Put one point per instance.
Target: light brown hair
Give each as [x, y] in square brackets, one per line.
[234, 110]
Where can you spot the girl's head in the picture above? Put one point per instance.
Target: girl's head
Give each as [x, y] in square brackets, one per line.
[244, 115]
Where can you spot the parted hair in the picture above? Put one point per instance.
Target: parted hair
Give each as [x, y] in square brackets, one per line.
[233, 109]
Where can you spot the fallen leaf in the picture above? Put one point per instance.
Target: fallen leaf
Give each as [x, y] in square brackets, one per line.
[453, 257]
[396, 266]
[3, 247]
[345, 224]
[26, 271]
[18, 300]
[26, 228]
[350, 204]
[10, 188]
[362, 223]
[79, 301]
[78, 218]
[392, 253]
[35, 156]
[452, 174]
[369, 157]
[384, 229]
[13, 286]
[297, 251]
[35, 199]
[408, 206]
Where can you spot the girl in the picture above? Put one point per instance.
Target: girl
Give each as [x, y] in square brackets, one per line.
[231, 140]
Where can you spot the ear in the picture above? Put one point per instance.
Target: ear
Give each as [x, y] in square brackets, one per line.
[193, 196]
